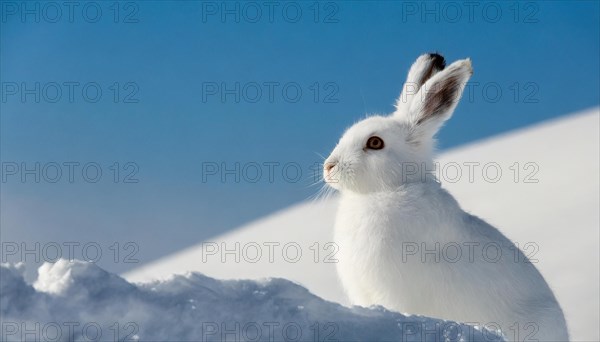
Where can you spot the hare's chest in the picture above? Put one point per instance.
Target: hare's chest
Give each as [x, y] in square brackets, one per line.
[378, 226]
[368, 249]
[377, 251]
[363, 260]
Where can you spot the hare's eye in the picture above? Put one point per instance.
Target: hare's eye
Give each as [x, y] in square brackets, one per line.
[375, 143]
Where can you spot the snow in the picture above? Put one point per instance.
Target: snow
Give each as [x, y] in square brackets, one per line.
[557, 218]
[76, 300]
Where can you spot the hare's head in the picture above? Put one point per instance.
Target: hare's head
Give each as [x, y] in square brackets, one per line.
[383, 152]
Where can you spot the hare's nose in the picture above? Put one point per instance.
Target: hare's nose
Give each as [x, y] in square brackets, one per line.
[329, 166]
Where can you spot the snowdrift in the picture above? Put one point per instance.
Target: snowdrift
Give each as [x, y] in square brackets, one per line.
[75, 300]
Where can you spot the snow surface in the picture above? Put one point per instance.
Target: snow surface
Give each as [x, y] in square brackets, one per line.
[558, 216]
[75, 300]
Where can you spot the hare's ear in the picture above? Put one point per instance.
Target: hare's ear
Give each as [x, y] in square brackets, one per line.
[422, 70]
[436, 100]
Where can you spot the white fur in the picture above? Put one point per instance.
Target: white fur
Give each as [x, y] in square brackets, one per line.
[384, 213]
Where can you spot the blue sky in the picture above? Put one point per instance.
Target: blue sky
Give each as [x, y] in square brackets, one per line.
[172, 62]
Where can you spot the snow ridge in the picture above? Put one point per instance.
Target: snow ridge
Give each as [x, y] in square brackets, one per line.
[76, 300]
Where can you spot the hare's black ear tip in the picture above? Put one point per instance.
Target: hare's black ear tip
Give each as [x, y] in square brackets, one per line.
[439, 62]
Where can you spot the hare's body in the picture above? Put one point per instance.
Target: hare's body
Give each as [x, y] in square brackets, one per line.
[406, 244]
[414, 250]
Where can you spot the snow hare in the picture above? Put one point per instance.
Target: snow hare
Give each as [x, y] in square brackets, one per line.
[406, 244]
